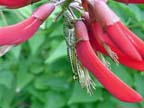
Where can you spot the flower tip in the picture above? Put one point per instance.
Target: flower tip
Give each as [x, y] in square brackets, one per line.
[133, 100]
[118, 35]
[81, 31]
[137, 99]
[134, 97]
[140, 99]
[104, 14]
[44, 11]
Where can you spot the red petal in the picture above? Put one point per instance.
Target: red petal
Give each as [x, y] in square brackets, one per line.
[119, 38]
[16, 3]
[131, 1]
[17, 33]
[111, 82]
[135, 40]
[123, 59]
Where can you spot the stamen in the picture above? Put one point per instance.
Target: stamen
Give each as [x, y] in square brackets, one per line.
[85, 79]
[112, 54]
[102, 58]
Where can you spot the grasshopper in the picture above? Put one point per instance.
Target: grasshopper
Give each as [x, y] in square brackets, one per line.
[70, 41]
[80, 73]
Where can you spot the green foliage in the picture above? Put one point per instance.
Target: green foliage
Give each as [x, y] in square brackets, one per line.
[37, 74]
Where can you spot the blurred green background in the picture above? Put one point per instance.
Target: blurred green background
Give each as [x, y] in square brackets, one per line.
[37, 73]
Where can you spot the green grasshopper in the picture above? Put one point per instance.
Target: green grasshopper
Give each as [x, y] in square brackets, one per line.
[70, 41]
[80, 73]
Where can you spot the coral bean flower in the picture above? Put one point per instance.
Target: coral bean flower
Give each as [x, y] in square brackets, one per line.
[131, 1]
[87, 57]
[16, 3]
[98, 38]
[18, 33]
[26, 28]
[123, 59]
[111, 24]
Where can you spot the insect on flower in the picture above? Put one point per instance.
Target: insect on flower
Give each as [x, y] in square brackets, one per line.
[80, 72]
[98, 32]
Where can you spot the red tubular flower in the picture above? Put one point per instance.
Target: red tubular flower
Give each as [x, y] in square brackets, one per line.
[16, 3]
[123, 59]
[103, 38]
[123, 42]
[87, 57]
[131, 1]
[18, 33]
[111, 24]
[135, 40]
[98, 39]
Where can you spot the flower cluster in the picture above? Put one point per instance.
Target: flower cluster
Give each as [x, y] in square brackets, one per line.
[99, 30]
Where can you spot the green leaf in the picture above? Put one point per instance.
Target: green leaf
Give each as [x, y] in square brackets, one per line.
[73, 106]
[121, 72]
[16, 51]
[23, 79]
[136, 11]
[26, 11]
[59, 52]
[7, 89]
[121, 9]
[80, 95]
[36, 68]
[55, 100]
[106, 104]
[50, 82]
[88, 105]
[36, 104]
[6, 79]
[8, 97]
[139, 82]
[36, 41]
[127, 105]
[38, 95]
